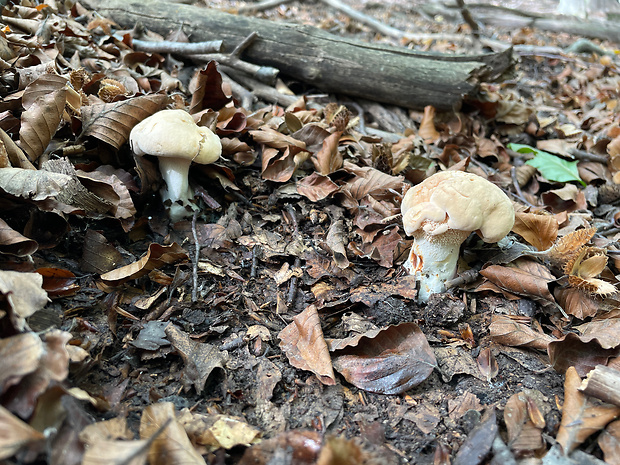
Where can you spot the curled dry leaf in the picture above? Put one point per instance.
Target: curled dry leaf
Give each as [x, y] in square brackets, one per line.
[207, 92]
[316, 187]
[509, 332]
[529, 279]
[172, 444]
[112, 122]
[329, 158]
[427, 126]
[33, 185]
[576, 302]
[524, 434]
[302, 342]
[24, 294]
[19, 356]
[370, 181]
[540, 231]
[302, 446]
[280, 166]
[604, 327]
[571, 351]
[14, 434]
[58, 282]
[609, 442]
[217, 431]
[386, 361]
[335, 240]
[580, 418]
[13, 243]
[156, 257]
[40, 122]
[117, 452]
[487, 364]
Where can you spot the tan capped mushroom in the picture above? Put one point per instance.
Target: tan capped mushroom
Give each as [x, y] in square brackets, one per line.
[177, 141]
[440, 213]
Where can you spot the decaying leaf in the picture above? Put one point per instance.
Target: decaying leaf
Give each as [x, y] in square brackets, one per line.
[505, 330]
[23, 293]
[172, 444]
[524, 433]
[208, 93]
[581, 356]
[580, 418]
[487, 364]
[14, 434]
[386, 361]
[217, 431]
[529, 278]
[609, 442]
[13, 243]
[33, 184]
[302, 342]
[316, 187]
[539, 230]
[112, 122]
[303, 446]
[427, 126]
[156, 257]
[19, 356]
[117, 452]
[604, 327]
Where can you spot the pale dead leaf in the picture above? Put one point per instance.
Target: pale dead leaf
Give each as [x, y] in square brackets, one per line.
[509, 332]
[538, 230]
[14, 434]
[31, 184]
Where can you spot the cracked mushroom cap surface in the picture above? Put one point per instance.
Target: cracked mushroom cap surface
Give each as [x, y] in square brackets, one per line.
[457, 201]
[173, 133]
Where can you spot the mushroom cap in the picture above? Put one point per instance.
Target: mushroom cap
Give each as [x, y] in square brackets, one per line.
[456, 200]
[173, 133]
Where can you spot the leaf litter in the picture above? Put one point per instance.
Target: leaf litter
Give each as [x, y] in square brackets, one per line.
[279, 320]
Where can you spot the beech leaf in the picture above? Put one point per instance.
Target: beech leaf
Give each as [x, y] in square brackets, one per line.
[551, 167]
[571, 351]
[112, 122]
[386, 361]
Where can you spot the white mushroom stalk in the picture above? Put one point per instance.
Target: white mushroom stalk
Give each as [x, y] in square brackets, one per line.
[174, 137]
[440, 213]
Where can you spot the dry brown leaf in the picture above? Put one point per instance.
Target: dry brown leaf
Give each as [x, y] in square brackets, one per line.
[117, 452]
[302, 342]
[487, 364]
[370, 181]
[200, 358]
[105, 182]
[604, 327]
[156, 257]
[14, 434]
[13, 243]
[302, 446]
[207, 90]
[112, 122]
[316, 187]
[609, 442]
[427, 126]
[217, 431]
[172, 445]
[386, 361]
[572, 351]
[576, 302]
[529, 279]
[19, 356]
[580, 419]
[40, 122]
[58, 282]
[538, 230]
[509, 332]
[329, 158]
[24, 294]
[277, 140]
[524, 436]
[280, 166]
[98, 255]
[31, 184]
[44, 85]
[335, 241]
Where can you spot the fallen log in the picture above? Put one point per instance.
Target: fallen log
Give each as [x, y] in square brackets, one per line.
[336, 64]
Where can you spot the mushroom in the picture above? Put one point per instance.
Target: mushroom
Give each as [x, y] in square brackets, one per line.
[440, 213]
[174, 137]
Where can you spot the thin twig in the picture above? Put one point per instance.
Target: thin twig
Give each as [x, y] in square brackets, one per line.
[265, 74]
[245, 43]
[292, 289]
[587, 156]
[261, 6]
[253, 270]
[195, 260]
[261, 90]
[515, 183]
[468, 18]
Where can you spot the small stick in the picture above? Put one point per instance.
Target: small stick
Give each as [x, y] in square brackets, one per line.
[195, 260]
[265, 74]
[261, 6]
[178, 48]
[515, 183]
[583, 155]
[253, 272]
[245, 43]
[292, 289]
[602, 383]
[293, 214]
[468, 18]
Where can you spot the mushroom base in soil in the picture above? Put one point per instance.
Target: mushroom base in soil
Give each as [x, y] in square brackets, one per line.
[174, 137]
[440, 213]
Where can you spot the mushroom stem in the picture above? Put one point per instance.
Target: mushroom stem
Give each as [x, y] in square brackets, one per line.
[175, 172]
[433, 260]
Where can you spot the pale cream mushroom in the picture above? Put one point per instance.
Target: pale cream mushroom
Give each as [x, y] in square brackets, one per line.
[440, 213]
[174, 137]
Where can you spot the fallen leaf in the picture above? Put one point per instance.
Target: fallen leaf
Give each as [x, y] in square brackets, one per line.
[14, 434]
[172, 444]
[540, 231]
[112, 122]
[505, 330]
[572, 352]
[386, 361]
[33, 184]
[609, 442]
[117, 453]
[524, 437]
[19, 356]
[302, 342]
[156, 257]
[316, 187]
[529, 279]
[302, 446]
[479, 441]
[13, 243]
[427, 129]
[207, 92]
[580, 419]
[487, 363]
[23, 293]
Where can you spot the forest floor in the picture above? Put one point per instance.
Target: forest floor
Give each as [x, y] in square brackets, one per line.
[287, 336]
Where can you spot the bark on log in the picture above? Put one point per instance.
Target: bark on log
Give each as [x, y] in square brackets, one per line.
[333, 64]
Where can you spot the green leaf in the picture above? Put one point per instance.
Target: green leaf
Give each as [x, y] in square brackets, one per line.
[551, 167]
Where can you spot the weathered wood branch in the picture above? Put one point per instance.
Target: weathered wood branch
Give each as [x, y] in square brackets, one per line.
[334, 64]
[603, 383]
